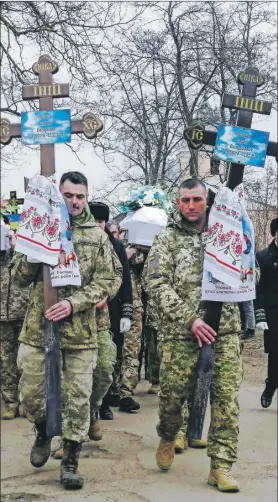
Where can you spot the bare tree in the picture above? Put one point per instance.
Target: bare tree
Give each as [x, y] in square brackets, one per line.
[148, 68]
[73, 33]
[198, 49]
[211, 43]
[262, 191]
[142, 111]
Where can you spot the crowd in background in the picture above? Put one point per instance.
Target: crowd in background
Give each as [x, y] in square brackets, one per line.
[130, 286]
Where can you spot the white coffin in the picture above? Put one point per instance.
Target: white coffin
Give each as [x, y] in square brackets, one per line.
[144, 224]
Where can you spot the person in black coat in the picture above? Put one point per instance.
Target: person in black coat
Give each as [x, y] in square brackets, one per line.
[266, 310]
[120, 309]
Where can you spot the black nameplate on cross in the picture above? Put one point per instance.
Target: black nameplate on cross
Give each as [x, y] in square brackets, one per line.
[196, 136]
[89, 125]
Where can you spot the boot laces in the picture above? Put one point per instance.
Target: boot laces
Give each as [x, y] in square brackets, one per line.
[227, 472]
[71, 464]
[167, 447]
[40, 438]
[71, 468]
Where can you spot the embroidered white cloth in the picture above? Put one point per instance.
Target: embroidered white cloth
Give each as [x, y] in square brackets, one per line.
[39, 233]
[67, 271]
[229, 240]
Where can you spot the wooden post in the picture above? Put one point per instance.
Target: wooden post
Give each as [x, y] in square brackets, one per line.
[90, 125]
[51, 332]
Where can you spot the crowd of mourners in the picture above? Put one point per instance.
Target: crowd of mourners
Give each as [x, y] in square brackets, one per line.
[138, 311]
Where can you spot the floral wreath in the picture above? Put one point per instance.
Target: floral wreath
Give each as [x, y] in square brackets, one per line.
[145, 196]
[6, 208]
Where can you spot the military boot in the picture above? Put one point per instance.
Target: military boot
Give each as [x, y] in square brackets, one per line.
[197, 443]
[114, 400]
[94, 432]
[220, 476]
[105, 412]
[154, 389]
[181, 443]
[12, 412]
[165, 454]
[69, 477]
[42, 446]
[128, 404]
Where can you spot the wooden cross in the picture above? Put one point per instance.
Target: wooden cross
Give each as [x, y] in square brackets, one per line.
[196, 136]
[45, 91]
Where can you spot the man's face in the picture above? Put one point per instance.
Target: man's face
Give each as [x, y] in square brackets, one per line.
[115, 231]
[100, 224]
[192, 203]
[75, 197]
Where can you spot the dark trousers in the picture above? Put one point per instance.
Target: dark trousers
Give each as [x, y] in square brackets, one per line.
[272, 369]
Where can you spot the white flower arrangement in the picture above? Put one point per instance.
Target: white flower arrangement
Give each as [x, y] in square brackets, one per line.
[145, 196]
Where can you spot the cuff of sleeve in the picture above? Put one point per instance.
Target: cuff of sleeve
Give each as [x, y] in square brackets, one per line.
[74, 305]
[127, 311]
[190, 321]
[260, 316]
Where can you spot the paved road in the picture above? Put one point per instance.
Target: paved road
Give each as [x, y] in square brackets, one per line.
[121, 467]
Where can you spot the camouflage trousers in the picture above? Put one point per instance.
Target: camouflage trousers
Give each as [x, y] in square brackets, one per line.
[130, 364]
[102, 375]
[77, 378]
[153, 357]
[177, 372]
[9, 333]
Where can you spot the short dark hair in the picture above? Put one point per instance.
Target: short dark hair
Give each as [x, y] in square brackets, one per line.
[274, 226]
[74, 177]
[192, 183]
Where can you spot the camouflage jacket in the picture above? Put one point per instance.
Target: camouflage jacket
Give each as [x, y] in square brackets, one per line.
[13, 299]
[99, 279]
[102, 315]
[174, 277]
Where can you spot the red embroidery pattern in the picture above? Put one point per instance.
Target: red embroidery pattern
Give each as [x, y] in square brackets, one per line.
[229, 212]
[36, 192]
[43, 224]
[229, 242]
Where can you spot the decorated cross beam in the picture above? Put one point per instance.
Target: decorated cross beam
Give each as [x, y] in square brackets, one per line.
[45, 91]
[42, 128]
[239, 145]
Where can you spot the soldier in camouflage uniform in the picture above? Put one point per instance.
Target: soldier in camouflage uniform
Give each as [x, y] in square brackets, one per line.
[14, 302]
[78, 334]
[130, 364]
[175, 266]
[155, 351]
[120, 307]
